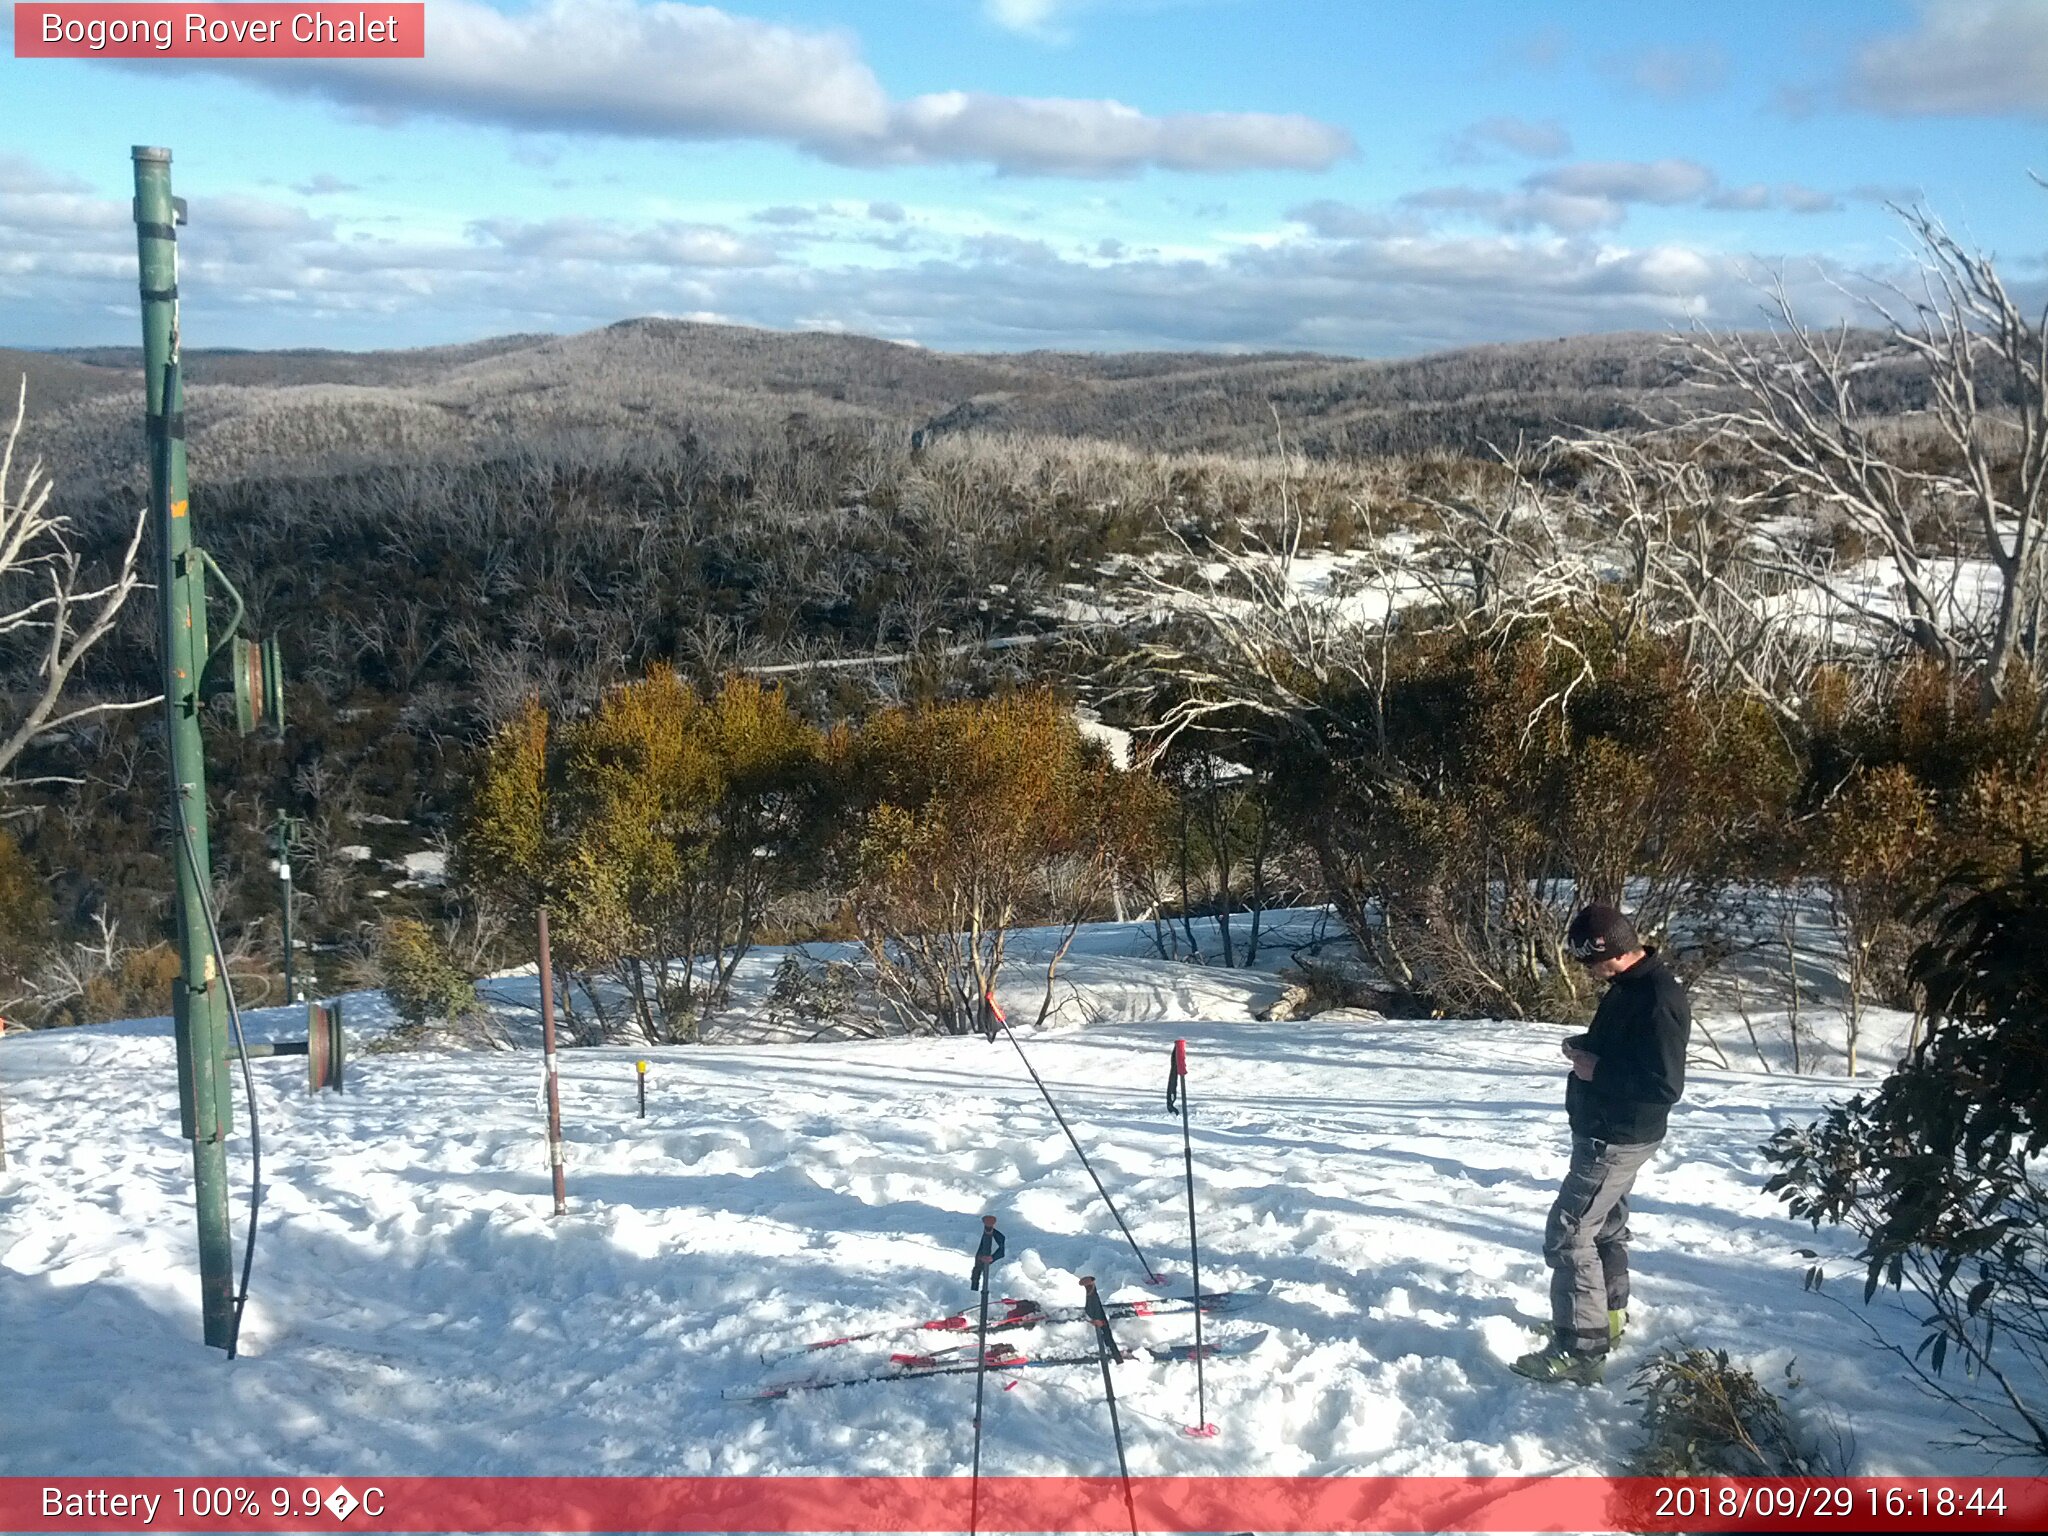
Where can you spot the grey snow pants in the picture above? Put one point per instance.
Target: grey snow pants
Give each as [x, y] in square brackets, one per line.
[1585, 1241]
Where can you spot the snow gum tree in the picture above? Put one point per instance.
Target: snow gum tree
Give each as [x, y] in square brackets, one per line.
[688, 817]
[1980, 490]
[1877, 842]
[1920, 781]
[970, 820]
[24, 920]
[1788, 629]
[661, 828]
[508, 843]
[1493, 784]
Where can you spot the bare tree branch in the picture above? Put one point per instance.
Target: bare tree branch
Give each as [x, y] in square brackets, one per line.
[46, 599]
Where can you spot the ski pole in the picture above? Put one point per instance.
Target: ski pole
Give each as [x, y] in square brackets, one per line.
[992, 1247]
[1177, 1103]
[1152, 1276]
[1105, 1351]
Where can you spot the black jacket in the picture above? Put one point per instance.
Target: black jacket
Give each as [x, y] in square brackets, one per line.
[1639, 1033]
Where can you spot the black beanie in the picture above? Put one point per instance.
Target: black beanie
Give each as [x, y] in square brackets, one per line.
[1601, 932]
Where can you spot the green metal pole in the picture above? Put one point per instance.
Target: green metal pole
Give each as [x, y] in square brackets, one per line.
[197, 999]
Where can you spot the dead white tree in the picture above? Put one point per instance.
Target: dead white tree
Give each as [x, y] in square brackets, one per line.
[1257, 636]
[1506, 567]
[1932, 521]
[1243, 639]
[52, 612]
[1677, 557]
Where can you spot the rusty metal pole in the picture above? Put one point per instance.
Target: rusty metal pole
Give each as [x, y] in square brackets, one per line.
[547, 1040]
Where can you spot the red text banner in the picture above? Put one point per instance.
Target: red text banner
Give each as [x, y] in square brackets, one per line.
[261, 31]
[1011, 1504]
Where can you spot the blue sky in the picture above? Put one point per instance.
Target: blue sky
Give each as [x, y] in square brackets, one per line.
[1341, 175]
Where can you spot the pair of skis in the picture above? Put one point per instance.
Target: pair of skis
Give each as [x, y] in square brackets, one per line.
[1023, 1312]
[998, 1357]
[1026, 1314]
[917, 1358]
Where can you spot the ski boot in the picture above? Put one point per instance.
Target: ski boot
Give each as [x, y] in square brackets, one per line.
[1553, 1364]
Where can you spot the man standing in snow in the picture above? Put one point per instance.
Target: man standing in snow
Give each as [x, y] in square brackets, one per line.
[1628, 1069]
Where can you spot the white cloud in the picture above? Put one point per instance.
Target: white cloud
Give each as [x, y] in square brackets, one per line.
[1094, 138]
[1591, 195]
[1964, 58]
[1535, 140]
[1803, 199]
[675, 71]
[18, 174]
[1671, 73]
[604, 241]
[1568, 213]
[1333, 220]
[265, 273]
[1004, 250]
[324, 184]
[1373, 281]
[1629, 181]
[1033, 18]
[260, 217]
[1748, 199]
[612, 66]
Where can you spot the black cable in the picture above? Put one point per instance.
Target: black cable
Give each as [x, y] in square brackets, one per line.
[220, 955]
[1152, 1276]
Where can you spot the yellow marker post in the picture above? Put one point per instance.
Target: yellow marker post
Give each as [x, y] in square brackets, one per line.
[641, 1068]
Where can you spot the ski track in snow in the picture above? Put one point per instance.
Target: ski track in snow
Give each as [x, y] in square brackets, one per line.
[417, 1311]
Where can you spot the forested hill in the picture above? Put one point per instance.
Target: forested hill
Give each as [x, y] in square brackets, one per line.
[264, 411]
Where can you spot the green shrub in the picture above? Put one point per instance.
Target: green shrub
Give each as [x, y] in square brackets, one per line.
[1939, 1171]
[419, 976]
[136, 986]
[24, 913]
[818, 997]
[1704, 1415]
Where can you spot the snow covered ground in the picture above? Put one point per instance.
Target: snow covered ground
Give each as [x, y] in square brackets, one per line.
[416, 1310]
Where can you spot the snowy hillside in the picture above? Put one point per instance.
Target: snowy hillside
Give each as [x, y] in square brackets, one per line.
[417, 1311]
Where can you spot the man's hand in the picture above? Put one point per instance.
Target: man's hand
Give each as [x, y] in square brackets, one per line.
[1583, 1063]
